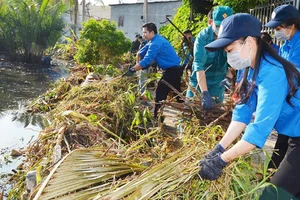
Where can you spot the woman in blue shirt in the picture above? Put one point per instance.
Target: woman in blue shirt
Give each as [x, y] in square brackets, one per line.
[272, 92]
[286, 22]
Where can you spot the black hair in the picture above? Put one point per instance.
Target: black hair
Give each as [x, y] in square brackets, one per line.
[150, 27]
[187, 31]
[140, 37]
[293, 75]
[209, 15]
[266, 37]
[290, 22]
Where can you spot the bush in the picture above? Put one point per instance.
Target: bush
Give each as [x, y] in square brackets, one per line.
[101, 43]
[29, 27]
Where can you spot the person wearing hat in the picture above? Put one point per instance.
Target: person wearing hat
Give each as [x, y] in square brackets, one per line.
[272, 92]
[286, 23]
[209, 69]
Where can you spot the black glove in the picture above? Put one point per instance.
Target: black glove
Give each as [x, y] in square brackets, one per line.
[218, 149]
[207, 101]
[130, 72]
[211, 168]
[226, 82]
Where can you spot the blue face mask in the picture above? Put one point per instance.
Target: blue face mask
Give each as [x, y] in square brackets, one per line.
[235, 60]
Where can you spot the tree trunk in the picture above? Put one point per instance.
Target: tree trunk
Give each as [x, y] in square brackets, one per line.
[75, 16]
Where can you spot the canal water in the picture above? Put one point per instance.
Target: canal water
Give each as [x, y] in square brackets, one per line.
[18, 86]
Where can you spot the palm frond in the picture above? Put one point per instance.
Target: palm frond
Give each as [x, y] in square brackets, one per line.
[160, 180]
[82, 174]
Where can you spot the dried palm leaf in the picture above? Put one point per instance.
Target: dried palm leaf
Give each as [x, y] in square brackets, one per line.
[82, 174]
[160, 180]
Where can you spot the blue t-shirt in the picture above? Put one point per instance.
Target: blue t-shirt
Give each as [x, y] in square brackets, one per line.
[268, 100]
[160, 50]
[142, 52]
[290, 50]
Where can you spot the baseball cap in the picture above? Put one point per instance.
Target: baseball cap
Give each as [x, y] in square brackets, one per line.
[233, 28]
[220, 13]
[282, 14]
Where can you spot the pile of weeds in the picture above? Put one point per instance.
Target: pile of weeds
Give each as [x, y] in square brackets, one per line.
[107, 115]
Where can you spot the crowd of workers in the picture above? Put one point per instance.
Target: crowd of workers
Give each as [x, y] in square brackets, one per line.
[267, 84]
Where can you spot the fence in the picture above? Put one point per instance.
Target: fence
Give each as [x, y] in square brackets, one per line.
[263, 12]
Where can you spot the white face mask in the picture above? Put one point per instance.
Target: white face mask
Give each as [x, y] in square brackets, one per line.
[235, 60]
[215, 29]
[281, 36]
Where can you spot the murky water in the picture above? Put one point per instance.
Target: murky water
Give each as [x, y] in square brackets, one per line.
[18, 86]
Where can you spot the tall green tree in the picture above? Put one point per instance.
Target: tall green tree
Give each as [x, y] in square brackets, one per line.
[29, 27]
[240, 6]
[199, 21]
[182, 21]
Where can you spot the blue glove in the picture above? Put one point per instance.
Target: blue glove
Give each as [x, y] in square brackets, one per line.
[207, 101]
[130, 72]
[226, 82]
[211, 168]
[218, 149]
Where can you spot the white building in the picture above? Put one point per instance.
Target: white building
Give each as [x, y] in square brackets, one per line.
[130, 16]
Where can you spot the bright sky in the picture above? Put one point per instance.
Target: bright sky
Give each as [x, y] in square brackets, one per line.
[106, 2]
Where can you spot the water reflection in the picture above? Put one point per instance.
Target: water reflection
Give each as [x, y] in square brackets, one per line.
[17, 131]
[20, 83]
[18, 86]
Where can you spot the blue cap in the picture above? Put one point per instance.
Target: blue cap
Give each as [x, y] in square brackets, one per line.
[220, 13]
[282, 14]
[233, 28]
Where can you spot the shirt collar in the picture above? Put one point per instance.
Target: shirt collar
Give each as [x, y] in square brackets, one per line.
[155, 36]
[294, 39]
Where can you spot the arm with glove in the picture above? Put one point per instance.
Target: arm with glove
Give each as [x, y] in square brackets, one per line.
[215, 160]
[227, 81]
[207, 100]
[132, 70]
[200, 66]
[211, 168]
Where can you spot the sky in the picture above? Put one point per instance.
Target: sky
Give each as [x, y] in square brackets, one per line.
[106, 2]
